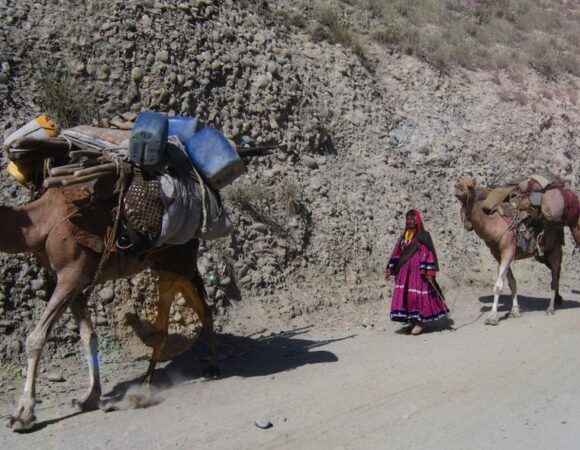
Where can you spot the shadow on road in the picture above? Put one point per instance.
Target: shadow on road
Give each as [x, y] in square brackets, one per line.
[243, 356]
[527, 304]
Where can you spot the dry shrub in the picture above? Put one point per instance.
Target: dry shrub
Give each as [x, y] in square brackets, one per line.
[288, 196]
[503, 59]
[572, 94]
[516, 74]
[488, 34]
[505, 95]
[546, 92]
[333, 30]
[248, 198]
[294, 19]
[64, 99]
[521, 98]
[544, 57]
[377, 7]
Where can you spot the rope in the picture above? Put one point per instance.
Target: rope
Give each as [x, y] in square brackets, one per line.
[112, 236]
[64, 218]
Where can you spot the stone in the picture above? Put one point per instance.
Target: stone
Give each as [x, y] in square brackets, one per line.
[137, 74]
[55, 377]
[309, 162]
[163, 56]
[263, 423]
[107, 295]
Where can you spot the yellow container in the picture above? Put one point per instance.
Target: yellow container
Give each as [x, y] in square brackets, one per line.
[22, 174]
[41, 127]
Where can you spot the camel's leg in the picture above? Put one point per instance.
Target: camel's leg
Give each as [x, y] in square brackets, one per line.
[504, 265]
[90, 342]
[576, 234]
[23, 418]
[555, 265]
[167, 288]
[194, 294]
[515, 311]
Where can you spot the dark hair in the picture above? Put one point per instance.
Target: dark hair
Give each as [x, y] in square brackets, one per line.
[410, 213]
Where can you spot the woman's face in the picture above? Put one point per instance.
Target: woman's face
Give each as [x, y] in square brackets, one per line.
[411, 221]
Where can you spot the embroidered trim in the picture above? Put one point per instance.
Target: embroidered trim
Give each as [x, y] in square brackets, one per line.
[403, 316]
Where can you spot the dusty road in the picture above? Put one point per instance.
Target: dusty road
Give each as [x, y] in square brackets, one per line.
[512, 386]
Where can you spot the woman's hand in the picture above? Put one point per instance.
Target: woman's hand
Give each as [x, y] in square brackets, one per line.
[388, 273]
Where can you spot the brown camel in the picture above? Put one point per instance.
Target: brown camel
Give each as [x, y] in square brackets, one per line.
[38, 227]
[501, 240]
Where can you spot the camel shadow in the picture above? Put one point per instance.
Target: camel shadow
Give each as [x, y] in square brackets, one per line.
[40, 425]
[527, 304]
[242, 356]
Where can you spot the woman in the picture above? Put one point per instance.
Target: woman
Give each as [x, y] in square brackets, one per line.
[416, 298]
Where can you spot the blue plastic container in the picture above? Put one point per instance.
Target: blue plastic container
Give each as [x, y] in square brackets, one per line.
[148, 138]
[214, 157]
[181, 126]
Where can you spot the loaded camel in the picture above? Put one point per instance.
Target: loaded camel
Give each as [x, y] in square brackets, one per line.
[40, 227]
[501, 240]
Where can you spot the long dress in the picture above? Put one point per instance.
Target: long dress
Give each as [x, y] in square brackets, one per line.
[414, 298]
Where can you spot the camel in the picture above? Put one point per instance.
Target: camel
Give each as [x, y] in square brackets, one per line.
[501, 240]
[39, 228]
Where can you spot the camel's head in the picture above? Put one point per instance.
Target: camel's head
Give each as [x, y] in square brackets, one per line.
[465, 190]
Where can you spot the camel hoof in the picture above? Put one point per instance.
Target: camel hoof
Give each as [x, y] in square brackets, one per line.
[212, 371]
[549, 312]
[492, 321]
[20, 425]
[515, 313]
[91, 403]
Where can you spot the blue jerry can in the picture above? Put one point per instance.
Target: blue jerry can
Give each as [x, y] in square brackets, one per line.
[148, 138]
[214, 157]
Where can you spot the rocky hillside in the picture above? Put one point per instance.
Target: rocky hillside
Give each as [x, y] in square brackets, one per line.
[341, 137]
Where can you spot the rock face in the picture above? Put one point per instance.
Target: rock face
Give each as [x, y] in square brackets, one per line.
[348, 153]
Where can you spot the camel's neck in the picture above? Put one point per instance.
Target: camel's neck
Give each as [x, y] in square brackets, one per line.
[488, 227]
[24, 228]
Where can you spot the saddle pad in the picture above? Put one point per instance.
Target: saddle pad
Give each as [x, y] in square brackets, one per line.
[102, 134]
[571, 207]
[89, 224]
[495, 197]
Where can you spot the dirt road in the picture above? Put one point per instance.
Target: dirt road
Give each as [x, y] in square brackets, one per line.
[472, 386]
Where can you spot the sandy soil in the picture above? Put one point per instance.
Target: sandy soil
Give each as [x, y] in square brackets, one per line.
[461, 385]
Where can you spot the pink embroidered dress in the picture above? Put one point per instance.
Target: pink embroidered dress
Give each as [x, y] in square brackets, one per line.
[414, 258]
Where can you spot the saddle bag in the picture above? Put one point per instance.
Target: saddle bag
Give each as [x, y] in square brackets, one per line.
[143, 208]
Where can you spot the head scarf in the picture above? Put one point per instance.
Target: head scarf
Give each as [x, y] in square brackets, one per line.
[418, 219]
[421, 236]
